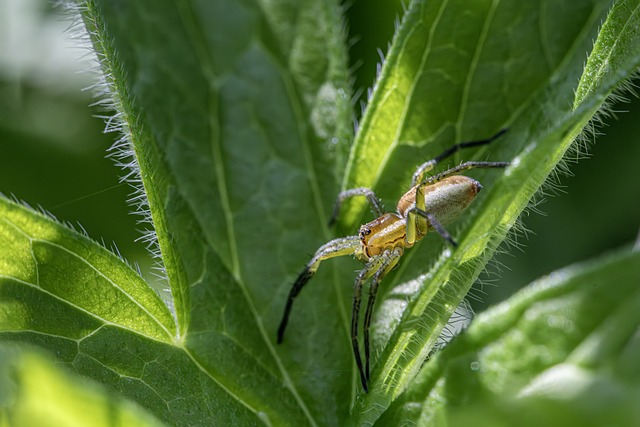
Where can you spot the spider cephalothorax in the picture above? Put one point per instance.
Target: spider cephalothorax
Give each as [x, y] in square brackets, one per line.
[430, 204]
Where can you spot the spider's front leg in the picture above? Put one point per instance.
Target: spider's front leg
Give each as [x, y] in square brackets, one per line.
[378, 267]
[334, 248]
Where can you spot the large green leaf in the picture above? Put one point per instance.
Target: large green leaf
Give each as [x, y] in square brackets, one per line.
[237, 115]
[499, 81]
[561, 352]
[66, 293]
[193, 102]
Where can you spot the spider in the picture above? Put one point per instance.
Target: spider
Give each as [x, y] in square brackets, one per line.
[430, 204]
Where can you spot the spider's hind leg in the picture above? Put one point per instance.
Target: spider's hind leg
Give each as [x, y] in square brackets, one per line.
[420, 172]
[389, 264]
[378, 267]
[334, 248]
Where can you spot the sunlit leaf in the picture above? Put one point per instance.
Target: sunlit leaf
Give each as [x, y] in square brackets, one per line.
[496, 78]
[561, 352]
[236, 117]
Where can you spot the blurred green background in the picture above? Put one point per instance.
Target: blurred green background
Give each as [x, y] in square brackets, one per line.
[52, 149]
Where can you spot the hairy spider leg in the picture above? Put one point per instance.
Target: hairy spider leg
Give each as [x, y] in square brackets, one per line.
[386, 267]
[371, 268]
[463, 167]
[374, 202]
[415, 213]
[415, 224]
[334, 248]
[357, 291]
[418, 175]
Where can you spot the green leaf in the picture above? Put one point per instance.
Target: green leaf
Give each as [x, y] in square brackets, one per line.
[58, 283]
[237, 117]
[561, 352]
[62, 291]
[615, 50]
[33, 391]
[453, 76]
[227, 153]
[224, 104]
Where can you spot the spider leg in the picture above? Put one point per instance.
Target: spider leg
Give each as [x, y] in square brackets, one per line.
[366, 272]
[376, 267]
[418, 221]
[466, 166]
[416, 224]
[385, 268]
[415, 212]
[334, 248]
[418, 176]
[374, 202]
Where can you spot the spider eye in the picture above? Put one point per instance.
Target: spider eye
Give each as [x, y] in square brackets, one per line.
[364, 232]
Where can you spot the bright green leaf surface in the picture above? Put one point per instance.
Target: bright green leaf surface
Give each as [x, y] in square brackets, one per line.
[34, 392]
[239, 117]
[561, 352]
[59, 283]
[60, 290]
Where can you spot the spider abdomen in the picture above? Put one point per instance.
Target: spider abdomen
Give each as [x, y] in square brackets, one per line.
[445, 199]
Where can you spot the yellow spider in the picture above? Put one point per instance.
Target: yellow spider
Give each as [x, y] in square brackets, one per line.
[430, 204]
